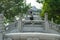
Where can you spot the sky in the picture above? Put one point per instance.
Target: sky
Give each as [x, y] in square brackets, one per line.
[34, 3]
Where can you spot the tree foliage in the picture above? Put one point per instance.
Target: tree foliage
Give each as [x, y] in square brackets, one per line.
[11, 8]
[40, 1]
[52, 7]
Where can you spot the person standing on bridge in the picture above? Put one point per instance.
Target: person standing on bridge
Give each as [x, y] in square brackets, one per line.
[31, 15]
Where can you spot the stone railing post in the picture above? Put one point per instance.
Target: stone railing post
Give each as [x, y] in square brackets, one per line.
[1, 22]
[52, 20]
[20, 23]
[46, 22]
[2, 28]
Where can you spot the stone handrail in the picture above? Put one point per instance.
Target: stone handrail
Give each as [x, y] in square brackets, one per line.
[11, 27]
[53, 26]
[32, 21]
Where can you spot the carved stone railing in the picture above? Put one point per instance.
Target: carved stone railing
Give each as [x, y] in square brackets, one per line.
[34, 21]
[58, 27]
[11, 27]
[54, 26]
[33, 26]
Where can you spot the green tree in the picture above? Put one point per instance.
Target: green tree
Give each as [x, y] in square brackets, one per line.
[12, 8]
[52, 7]
[40, 1]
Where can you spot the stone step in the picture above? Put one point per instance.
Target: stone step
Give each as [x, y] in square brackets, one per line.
[33, 25]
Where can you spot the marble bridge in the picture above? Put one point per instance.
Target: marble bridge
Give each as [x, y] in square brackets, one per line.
[36, 29]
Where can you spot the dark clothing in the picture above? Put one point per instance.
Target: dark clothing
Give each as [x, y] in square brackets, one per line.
[31, 18]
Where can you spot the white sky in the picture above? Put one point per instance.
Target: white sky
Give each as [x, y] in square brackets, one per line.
[34, 3]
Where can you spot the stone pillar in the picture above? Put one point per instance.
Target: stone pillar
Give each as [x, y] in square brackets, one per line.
[46, 22]
[1, 22]
[52, 20]
[20, 23]
[1, 26]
